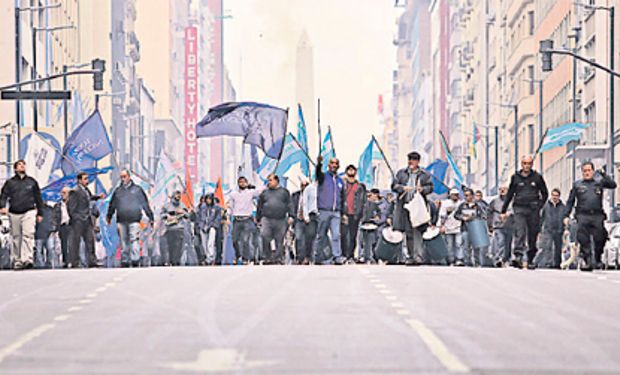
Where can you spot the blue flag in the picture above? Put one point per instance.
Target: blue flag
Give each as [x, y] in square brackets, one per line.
[562, 135]
[259, 124]
[458, 176]
[109, 234]
[291, 155]
[87, 144]
[52, 191]
[327, 149]
[302, 137]
[254, 156]
[437, 170]
[366, 171]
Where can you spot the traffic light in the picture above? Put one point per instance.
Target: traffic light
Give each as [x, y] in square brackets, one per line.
[545, 52]
[98, 66]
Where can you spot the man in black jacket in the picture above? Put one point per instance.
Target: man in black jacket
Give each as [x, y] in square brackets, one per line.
[23, 195]
[46, 236]
[272, 212]
[128, 202]
[355, 198]
[550, 254]
[408, 182]
[81, 221]
[587, 197]
[528, 193]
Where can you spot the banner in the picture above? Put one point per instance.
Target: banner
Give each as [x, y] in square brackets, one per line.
[87, 144]
[191, 101]
[562, 135]
[302, 137]
[40, 159]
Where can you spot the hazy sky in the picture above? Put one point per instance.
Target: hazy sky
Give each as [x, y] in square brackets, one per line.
[353, 60]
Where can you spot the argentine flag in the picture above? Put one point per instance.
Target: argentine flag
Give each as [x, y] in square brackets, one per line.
[302, 137]
[327, 149]
[365, 168]
[458, 176]
[562, 135]
[291, 155]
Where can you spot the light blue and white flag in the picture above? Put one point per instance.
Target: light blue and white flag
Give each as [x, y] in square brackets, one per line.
[291, 155]
[327, 149]
[88, 143]
[302, 137]
[562, 135]
[457, 175]
[366, 170]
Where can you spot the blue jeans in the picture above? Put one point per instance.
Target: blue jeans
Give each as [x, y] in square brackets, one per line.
[474, 256]
[329, 221]
[129, 237]
[455, 247]
[45, 252]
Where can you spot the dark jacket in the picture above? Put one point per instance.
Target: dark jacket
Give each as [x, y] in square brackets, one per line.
[552, 216]
[473, 211]
[400, 217]
[175, 215]
[22, 194]
[128, 202]
[527, 192]
[587, 195]
[79, 204]
[330, 191]
[209, 216]
[274, 204]
[372, 213]
[50, 222]
[359, 201]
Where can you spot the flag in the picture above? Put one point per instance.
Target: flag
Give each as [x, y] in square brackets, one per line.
[219, 193]
[49, 139]
[291, 155]
[165, 176]
[77, 110]
[562, 135]
[88, 143]
[51, 192]
[187, 198]
[366, 171]
[458, 176]
[474, 141]
[40, 159]
[302, 137]
[254, 156]
[438, 169]
[109, 234]
[327, 149]
[259, 124]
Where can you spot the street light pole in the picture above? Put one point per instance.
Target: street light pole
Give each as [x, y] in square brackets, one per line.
[612, 138]
[497, 160]
[516, 129]
[540, 121]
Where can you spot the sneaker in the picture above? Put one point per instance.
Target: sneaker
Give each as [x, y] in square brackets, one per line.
[17, 266]
[459, 263]
[516, 263]
[499, 263]
[27, 266]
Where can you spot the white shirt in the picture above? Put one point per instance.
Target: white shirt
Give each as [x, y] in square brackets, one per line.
[446, 216]
[64, 213]
[308, 198]
[241, 202]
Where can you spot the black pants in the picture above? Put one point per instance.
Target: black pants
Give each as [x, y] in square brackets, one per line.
[273, 229]
[591, 225]
[174, 240]
[65, 236]
[305, 234]
[526, 229]
[82, 230]
[348, 232]
[241, 236]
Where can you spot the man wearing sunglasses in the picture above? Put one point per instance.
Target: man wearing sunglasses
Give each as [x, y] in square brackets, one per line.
[528, 193]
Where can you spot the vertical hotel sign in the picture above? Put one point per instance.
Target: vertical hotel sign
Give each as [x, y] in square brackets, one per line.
[191, 101]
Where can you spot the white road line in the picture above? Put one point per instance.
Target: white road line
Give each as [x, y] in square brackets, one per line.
[100, 289]
[118, 278]
[62, 318]
[85, 301]
[374, 281]
[74, 308]
[23, 340]
[385, 291]
[391, 298]
[380, 286]
[450, 361]
[91, 295]
[109, 284]
[602, 277]
[397, 304]
[403, 312]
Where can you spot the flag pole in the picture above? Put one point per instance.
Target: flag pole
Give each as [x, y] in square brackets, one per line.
[62, 156]
[540, 146]
[331, 136]
[384, 158]
[320, 141]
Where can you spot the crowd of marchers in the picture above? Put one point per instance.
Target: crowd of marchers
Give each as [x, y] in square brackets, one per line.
[334, 219]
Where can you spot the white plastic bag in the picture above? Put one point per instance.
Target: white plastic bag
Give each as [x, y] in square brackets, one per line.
[418, 211]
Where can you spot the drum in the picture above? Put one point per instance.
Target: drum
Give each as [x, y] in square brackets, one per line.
[368, 226]
[478, 233]
[436, 247]
[389, 246]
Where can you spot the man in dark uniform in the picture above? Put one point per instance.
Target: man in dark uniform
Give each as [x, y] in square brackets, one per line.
[588, 194]
[81, 221]
[408, 182]
[528, 193]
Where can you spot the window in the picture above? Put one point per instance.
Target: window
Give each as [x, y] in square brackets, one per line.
[530, 77]
[530, 128]
[531, 24]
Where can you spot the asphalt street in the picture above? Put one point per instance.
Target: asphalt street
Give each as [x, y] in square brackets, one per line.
[315, 320]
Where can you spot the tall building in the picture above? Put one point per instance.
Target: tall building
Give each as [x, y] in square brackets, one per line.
[304, 85]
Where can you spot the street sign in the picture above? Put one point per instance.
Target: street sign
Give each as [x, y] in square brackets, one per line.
[36, 95]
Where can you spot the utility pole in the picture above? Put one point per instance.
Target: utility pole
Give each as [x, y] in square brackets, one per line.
[612, 130]
[540, 121]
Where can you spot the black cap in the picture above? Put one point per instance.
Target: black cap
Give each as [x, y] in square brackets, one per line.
[375, 191]
[414, 155]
